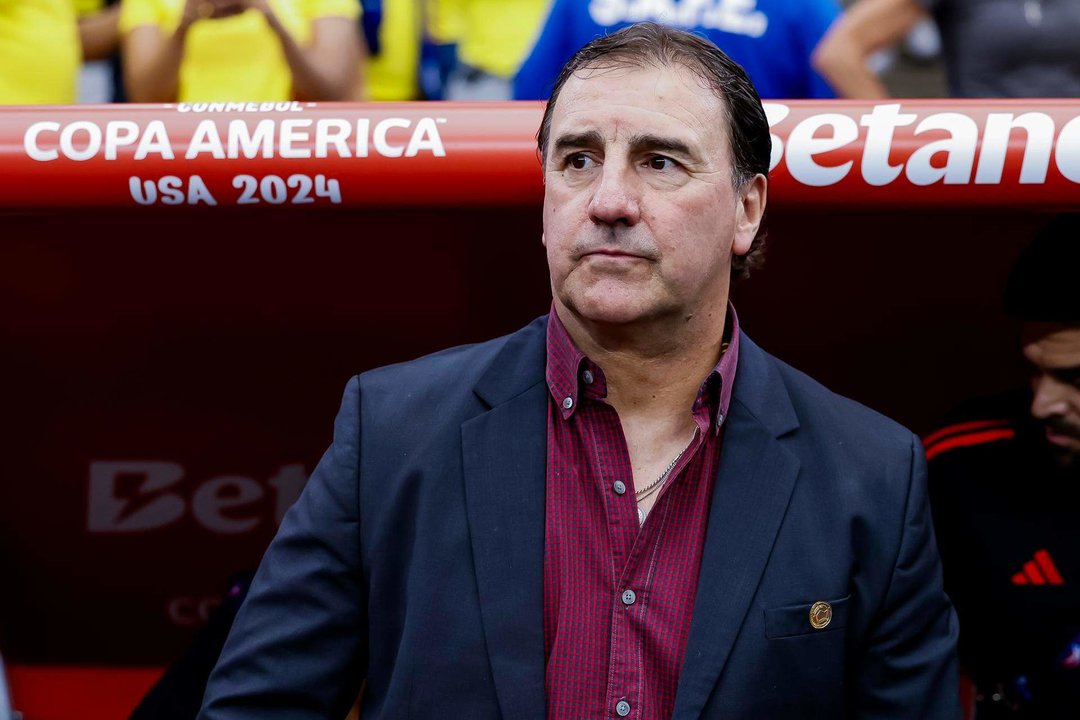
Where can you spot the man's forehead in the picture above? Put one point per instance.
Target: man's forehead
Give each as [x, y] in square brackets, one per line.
[1055, 344]
[612, 99]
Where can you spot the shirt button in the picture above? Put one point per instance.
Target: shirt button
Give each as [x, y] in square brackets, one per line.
[720, 418]
[568, 403]
[629, 597]
[587, 377]
[622, 708]
[619, 487]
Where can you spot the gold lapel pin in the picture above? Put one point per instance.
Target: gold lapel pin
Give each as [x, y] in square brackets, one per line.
[820, 615]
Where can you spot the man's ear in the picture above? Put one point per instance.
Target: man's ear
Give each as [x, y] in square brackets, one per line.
[749, 213]
[543, 239]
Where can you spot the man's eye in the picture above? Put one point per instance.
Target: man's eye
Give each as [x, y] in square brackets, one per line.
[578, 161]
[659, 162]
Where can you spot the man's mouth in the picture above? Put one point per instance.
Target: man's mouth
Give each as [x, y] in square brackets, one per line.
[613, 253]
[1062, 433]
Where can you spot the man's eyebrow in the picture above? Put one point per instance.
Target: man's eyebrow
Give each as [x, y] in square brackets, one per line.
[657, 143]
[587, 139]
[1066, 374]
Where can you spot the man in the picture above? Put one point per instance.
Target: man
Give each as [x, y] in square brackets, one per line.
[1005, 486]
[625, 509]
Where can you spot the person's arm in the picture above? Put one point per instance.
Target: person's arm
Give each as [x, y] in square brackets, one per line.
[329, 69]
[298, 647]
[100, 33]
[864, 28]
[908, 667]
[152, 57]
[812, 22]
[553, 47]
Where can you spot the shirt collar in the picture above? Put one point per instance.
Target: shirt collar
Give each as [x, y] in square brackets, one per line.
[572, 377]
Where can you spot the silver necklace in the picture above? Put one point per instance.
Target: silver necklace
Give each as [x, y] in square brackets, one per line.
[648, 489]
[655, 485]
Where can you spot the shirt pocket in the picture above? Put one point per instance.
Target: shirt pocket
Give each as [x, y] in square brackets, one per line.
[794, 620]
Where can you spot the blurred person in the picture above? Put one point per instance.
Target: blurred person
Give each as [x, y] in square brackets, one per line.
[241, 50]
[178, 693]
[625, 509]
[403, 62]
[489, 40]
[992, 48]
[393, 32]
[101, 78]
[43, 44]
[1005, 493]
[99, 28]
[771, 39]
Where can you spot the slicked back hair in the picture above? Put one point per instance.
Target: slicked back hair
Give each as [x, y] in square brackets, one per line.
[652, 45]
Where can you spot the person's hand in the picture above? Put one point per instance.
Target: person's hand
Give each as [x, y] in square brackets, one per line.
[262, 6]
[195, 10]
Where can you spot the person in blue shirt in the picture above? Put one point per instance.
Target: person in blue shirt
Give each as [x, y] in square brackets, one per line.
[771, 39]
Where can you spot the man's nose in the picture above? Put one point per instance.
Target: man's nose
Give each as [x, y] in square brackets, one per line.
[1048, 400]
[616, 197]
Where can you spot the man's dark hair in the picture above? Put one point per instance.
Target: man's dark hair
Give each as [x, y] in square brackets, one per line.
[652, 45]
[1043, 284]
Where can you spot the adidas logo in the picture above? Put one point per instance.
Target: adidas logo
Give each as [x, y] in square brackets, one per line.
[967, 434]
[1039, 571]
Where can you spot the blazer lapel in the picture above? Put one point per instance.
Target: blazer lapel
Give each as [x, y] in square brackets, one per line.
[754, 484]
[505, 460]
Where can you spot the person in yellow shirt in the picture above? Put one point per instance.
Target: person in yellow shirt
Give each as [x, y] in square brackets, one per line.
[492, 37]
[393, 66]
[43, 43]
[241, 50]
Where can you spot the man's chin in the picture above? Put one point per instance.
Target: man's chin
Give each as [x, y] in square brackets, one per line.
[1065, 458]
[612, 304]
[1064, 449]
[611, 316]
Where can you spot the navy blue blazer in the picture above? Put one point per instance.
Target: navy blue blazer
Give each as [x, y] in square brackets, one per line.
[415, 558]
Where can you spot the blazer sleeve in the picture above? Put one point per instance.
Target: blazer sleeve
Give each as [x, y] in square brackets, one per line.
[909, 667]
[298, 646]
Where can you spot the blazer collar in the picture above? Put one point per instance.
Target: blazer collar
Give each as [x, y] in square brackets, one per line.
[753, 487]
[760, 390]
[504, 458]
[517, 366]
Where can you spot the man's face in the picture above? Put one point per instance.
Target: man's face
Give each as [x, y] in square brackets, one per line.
[641, 216]
[1054, 352]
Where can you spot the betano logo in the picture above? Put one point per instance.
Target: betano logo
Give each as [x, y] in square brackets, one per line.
[131, 496]
[827, 132]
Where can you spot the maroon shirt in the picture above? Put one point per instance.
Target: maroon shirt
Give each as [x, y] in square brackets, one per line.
[618, 598]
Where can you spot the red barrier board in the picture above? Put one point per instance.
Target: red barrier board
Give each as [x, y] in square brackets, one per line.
[914, 153]
[63, 693]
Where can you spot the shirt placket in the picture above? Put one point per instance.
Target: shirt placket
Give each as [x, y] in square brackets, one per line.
[633, 549]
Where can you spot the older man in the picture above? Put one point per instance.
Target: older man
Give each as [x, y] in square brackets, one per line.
[627, 508]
